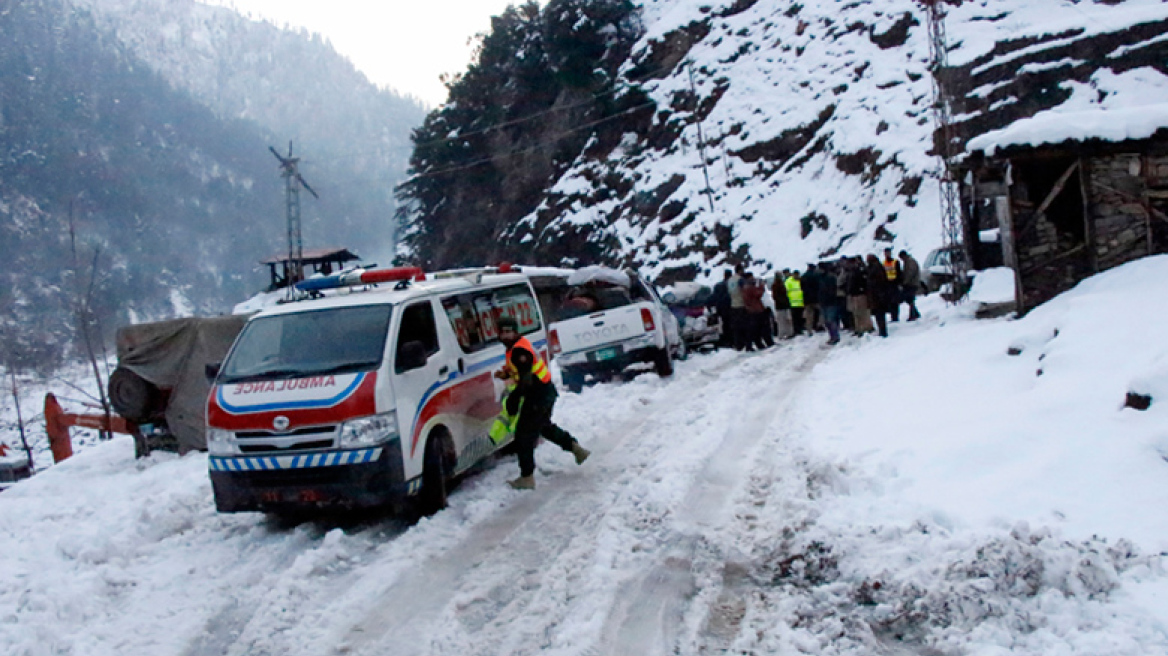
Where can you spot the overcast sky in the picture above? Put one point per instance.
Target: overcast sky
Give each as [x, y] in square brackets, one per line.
[396, 43]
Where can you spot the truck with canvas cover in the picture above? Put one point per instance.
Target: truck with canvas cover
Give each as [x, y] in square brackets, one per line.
[160, 382]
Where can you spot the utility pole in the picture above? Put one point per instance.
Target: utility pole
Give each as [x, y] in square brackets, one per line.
[290, 171]
[953, 232]
[701, 141]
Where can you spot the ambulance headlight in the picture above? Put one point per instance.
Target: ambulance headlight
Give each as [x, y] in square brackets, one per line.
[221, 442]
[368, 431]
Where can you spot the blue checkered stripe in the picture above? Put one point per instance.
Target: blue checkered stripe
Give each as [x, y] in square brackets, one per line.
[273, 463]
[414, 486]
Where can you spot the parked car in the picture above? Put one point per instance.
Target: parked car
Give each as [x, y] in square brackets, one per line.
[937, 269]
[700, 327]
[14, 466]
[608, 320]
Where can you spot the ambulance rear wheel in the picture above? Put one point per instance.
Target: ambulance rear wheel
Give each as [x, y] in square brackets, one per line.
[436, 468]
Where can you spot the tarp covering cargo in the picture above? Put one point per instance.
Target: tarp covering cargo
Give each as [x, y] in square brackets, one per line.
[172, 356]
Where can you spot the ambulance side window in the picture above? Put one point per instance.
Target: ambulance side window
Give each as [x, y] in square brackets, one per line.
[460, 312]
[417, 325]
[474, 316]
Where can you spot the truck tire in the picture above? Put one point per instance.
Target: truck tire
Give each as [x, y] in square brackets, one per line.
[663, 363]
[574, 381]
[436, 469]
[132, 396]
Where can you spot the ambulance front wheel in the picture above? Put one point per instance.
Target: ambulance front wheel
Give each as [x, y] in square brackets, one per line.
[436, 468]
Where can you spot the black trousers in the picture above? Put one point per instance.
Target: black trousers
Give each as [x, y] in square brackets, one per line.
[797, 320]
[535, 419]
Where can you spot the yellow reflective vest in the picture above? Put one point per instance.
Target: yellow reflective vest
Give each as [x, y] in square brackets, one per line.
[794, 292]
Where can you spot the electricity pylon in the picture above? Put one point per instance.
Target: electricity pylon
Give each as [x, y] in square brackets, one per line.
[292, 182]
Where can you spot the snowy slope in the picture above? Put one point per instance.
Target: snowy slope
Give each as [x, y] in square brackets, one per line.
[816, 121]
[925, 494]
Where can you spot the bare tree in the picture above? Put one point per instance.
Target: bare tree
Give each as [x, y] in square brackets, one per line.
[84, 316]
[19, 418]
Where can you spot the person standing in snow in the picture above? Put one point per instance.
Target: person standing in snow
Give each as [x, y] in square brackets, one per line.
[892, 273]
[758, 329]
[533, 398]
[856, 285]
[830, 302]
[737, 309]
[782, 304]
[910, 282]
[811, 313]
[795, 296]
[880, 293]
[720, 301]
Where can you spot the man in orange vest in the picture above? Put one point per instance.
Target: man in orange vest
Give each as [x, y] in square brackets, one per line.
[892, 272]
[533, 398]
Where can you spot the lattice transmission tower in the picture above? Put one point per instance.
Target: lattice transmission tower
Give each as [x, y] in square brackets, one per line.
[953, 232]
[290, 171]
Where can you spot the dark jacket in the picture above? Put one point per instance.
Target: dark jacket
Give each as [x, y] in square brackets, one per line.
[828, 286]
[779, 293]
[857, 281]
[535, 391]
[720, 298]
[810, 283]
[880, 288]
[910, 275]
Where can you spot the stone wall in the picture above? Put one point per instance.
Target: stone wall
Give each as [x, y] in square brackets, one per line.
[1119, 206]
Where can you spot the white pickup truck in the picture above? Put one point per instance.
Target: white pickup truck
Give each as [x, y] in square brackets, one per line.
[606, 320]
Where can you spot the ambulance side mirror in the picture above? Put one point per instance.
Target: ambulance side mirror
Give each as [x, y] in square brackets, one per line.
[411, 355]
[211, 371]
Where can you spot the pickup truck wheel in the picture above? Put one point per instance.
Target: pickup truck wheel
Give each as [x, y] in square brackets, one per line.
[574, 381]
[663, 363]
[435, 473]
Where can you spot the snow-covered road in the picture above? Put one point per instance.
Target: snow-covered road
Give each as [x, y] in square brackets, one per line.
[804, 500]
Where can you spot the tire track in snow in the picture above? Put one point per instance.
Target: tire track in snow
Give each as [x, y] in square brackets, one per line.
[402, 628]
[654, 609]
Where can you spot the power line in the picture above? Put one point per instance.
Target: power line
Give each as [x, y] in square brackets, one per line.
[475, 163]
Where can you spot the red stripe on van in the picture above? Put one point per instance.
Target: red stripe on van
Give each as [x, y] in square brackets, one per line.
[361, 402]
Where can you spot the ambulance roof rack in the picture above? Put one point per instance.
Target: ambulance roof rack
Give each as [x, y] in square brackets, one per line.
[475, 272]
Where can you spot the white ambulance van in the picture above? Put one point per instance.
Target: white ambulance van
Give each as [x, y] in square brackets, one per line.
[376, 389]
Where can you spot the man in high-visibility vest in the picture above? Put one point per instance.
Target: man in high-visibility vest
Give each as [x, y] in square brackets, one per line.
[794, 288]
[533, 398]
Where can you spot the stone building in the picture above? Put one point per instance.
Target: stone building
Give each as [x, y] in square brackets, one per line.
[1064, 171]
[1059, 213]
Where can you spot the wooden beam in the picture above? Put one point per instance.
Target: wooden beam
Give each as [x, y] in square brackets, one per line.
[1058, 188]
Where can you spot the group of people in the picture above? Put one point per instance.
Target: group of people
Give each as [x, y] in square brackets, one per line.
[852, 293]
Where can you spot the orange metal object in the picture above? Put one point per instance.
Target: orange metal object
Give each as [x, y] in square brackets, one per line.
[57, 423]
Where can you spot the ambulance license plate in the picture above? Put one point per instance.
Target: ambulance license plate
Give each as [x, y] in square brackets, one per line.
[608, 353]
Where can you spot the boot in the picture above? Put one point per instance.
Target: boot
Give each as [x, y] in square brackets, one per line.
[580, 452]
[523, 483]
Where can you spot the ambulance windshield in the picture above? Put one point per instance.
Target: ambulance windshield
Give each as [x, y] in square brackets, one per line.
[333, 341]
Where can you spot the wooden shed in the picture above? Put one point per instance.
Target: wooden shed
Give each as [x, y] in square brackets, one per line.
[1059, 213]
[1064, 135]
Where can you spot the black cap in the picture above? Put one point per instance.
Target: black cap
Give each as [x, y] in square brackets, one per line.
[507, 322]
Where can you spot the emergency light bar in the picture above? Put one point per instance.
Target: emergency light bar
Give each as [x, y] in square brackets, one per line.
[360, 277]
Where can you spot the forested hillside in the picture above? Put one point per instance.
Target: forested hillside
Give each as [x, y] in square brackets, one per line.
[151, 199]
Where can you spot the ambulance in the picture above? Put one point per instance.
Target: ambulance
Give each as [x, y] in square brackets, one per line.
[376, 388]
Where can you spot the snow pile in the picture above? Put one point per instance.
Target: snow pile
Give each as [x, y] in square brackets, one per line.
[993, 286]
